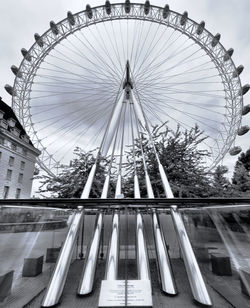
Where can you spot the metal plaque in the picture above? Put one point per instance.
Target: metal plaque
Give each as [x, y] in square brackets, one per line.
[123, 293]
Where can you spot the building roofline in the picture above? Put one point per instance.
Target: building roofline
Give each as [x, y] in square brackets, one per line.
[8, 114]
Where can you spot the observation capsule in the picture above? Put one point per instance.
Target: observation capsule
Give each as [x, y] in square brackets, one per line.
[127, 6]
[238, 71]
[146, 7]
[228, 54]
[26, 54]
[243, 130]
[38, 39]
[54, 28]
[166, 11]
[215, 40]
[184, 18]
[89, 11]
[10, 90]
[108, 7]
[71, 18]
[200, 28]
[246, 109]
[16, 71]
[244, 89]
[235, 150]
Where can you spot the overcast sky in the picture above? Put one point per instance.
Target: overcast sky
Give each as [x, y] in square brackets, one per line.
[20, 19]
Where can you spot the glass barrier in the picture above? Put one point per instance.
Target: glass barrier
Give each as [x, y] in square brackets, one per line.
[31, 239]
[30, 242]
[220, 237]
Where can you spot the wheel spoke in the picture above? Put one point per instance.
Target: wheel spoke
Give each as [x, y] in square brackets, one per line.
[70, 86]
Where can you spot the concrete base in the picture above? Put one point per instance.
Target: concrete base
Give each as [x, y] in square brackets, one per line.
[201, 254]
[32, 267]
[52, 254]
[5, 285]
[221, 265]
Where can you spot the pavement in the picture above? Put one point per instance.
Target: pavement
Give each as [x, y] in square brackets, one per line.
[184, 298]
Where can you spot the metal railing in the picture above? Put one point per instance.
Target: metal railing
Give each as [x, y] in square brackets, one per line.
[130, 203]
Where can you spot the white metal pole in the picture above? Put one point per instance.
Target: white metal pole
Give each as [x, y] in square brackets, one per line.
[113, 253]
[196, 280]
[87, 279]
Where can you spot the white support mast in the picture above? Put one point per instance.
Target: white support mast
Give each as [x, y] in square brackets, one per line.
[196, 280]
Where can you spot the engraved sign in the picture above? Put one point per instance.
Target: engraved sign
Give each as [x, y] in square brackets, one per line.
[121, 293]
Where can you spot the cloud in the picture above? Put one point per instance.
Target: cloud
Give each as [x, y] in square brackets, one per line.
[21, 19]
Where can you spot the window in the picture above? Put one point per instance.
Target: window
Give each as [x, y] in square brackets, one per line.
[11, 161]
[0, 155]
[6, 192]
[13, 146]
[1, 140]
[20, 178]
[18, 193]
[22, 165]
[24, 152]
[9, 174]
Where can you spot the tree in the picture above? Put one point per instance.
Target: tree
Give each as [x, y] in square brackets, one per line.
[245, 159]
[70, 182]
[241, 176]
[181, 157]
[221, 186]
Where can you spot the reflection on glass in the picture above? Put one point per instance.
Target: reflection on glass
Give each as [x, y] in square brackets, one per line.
[220, 238]
[233, 227]
[29, 237]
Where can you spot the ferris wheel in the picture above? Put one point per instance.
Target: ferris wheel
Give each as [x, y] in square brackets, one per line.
[71, 78]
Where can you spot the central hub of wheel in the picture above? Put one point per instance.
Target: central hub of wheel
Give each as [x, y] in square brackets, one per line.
[127, 85]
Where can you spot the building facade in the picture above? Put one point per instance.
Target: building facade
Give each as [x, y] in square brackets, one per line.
[17, 156]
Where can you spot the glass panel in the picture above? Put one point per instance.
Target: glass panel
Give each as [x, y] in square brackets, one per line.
[6, 192]
[13, 146]
[20, 178]
[18, 193]
[8, 175]
[11, 160]
[220, 238]
[30, 241]
[31, 237]
[22, 165]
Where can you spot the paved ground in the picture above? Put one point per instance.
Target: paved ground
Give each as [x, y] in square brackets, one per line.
[183, 299]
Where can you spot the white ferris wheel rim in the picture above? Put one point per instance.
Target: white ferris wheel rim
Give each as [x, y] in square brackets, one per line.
[45, 43]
